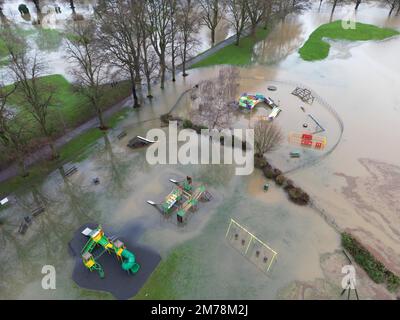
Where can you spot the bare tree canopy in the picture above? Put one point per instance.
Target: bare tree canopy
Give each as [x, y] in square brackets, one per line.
[120, 37]
[267, 137]
[89, 64]
[188, 20]
[238, 16]
[215, 108]
[212, 15]
[36, 95]
[158, 13]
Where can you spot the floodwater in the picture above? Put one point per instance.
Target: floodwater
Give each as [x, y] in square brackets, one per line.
[55, 55]
[357, 183]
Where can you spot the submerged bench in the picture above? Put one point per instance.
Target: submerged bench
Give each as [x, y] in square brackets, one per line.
[69, 172]
[37, 211]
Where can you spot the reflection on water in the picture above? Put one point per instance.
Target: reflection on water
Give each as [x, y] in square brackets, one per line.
[366, 98]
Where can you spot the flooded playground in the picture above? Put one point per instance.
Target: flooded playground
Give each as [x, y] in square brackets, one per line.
[355, 179]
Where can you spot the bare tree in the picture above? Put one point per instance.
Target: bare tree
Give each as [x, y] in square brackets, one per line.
[256, 10]
[158, 14]
[88, 64]
[267, 137]
[12, 130]
[120, 36]
[72, 6]
[36, 95]
[149, 64]
[238, 16]
[188, 24]
[37, 5]
[392, 5]
[215, 100]
[174, 48]
[212, 15]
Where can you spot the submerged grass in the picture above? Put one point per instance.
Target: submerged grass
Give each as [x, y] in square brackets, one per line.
[316, 48]
[71, 151]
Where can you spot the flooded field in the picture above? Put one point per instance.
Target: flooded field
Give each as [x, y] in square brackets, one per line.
[53, 47]
[357, 184]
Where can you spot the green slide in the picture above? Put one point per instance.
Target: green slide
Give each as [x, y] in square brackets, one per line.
[129, 263]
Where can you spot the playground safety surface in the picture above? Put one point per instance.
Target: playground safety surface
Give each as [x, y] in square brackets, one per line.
[116, 281]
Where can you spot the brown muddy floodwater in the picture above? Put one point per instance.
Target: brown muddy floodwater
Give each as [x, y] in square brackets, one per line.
[357, 184]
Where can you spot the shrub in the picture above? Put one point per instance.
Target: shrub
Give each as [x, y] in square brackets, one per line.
[268, 172]
[289, 184]
[298, 196]
[260, 162]
[280, 180]
[187, 124]
[276, 172]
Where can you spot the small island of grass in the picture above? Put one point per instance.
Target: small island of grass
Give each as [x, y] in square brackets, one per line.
[316, 48]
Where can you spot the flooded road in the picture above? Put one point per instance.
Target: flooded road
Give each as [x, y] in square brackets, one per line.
[357, 184]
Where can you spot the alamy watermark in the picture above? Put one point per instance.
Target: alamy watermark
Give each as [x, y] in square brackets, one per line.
[49, 280]
[349, 280]
[188, 147]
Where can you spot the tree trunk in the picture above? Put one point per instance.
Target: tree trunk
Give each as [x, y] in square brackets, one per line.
[162, 69]
[72, 5]
[392, 8]
[334, 7]
[173, 67]
[398, 10]
[149, 94]
[212, 37]
[237, 38]
[37, 5]
[253, 30]
[136, 103]
[103, 125]
[22, 167]
[357, 4]
[54, 153]
[184, 60]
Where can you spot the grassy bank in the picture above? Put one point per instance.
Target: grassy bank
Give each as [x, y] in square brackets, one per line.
[316, 48]
[375, 269]
[232, 54]
[68, 152]
[68, 110]
[69, 107]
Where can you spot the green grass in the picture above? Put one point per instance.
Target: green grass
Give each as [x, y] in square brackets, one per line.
[69, 107]
[374, 268]
[20, 32]
[316, 48]
[232, 54]
[160, 285]
[71, 151]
